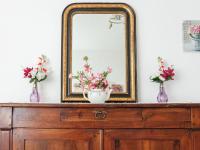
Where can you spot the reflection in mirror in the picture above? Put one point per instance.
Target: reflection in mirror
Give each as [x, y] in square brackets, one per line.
[101, 37]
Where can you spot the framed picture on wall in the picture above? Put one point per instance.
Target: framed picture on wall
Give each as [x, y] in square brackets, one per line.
[191, 35]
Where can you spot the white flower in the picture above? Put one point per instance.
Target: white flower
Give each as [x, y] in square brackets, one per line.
[40, 75]
[161, 78]
[34, 72]
[154, 76]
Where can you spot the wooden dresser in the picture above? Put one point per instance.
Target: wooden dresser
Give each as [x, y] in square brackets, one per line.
[100, 127]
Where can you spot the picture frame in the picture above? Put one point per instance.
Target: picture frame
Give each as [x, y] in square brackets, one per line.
[191, 35]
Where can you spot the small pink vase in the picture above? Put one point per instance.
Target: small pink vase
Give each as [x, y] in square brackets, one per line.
[162, 96]
[35, 97]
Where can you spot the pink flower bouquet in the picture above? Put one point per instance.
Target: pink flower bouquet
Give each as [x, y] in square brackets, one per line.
[89, 80]
[165, 72]
[194, 32]
[37, 73]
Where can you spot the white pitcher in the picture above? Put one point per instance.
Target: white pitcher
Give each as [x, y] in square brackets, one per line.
[97, 95]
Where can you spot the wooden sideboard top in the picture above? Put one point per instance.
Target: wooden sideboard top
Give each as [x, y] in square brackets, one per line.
[151, 115]
[108, 105]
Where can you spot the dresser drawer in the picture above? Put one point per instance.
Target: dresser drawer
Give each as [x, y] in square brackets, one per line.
[102, 117]
[77, 117]
[5, 117]
[167, 117]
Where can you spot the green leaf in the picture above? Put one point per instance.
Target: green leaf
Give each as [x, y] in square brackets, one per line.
[32, 79]
[156, 79]
[43, 78]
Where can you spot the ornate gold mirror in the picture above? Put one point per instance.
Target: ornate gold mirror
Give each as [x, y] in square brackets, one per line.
[105, 33]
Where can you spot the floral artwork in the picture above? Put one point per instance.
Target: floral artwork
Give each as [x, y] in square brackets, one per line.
[191, 35]
[89, 80]
[37, 73]
[165, 72]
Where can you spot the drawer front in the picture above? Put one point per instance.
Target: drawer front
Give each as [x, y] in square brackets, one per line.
[195, 117]
[5, 117]
[102, 117]
[167, 117]
[77, 117]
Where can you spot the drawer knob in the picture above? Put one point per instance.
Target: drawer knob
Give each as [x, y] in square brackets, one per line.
[100, 115]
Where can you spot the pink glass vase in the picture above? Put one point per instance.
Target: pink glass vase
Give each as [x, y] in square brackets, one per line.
[162, 96]
[35, 97]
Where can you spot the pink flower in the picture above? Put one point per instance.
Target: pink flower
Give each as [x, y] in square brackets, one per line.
[87, 68]
[92, 86]
[105, 84]
[99, 76]
[168, 74]
[44, 70]
[92, 77]
[27, 72]
[41, 60]
[109, 69]
[195, 29]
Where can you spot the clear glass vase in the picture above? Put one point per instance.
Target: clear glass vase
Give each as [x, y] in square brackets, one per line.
[162, 96]
[35, 97]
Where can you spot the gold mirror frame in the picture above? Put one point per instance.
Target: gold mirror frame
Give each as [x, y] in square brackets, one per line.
[66, 57]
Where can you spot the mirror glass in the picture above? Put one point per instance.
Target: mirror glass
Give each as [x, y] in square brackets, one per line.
[101, 37]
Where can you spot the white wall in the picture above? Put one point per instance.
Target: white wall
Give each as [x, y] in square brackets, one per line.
[31, 27]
